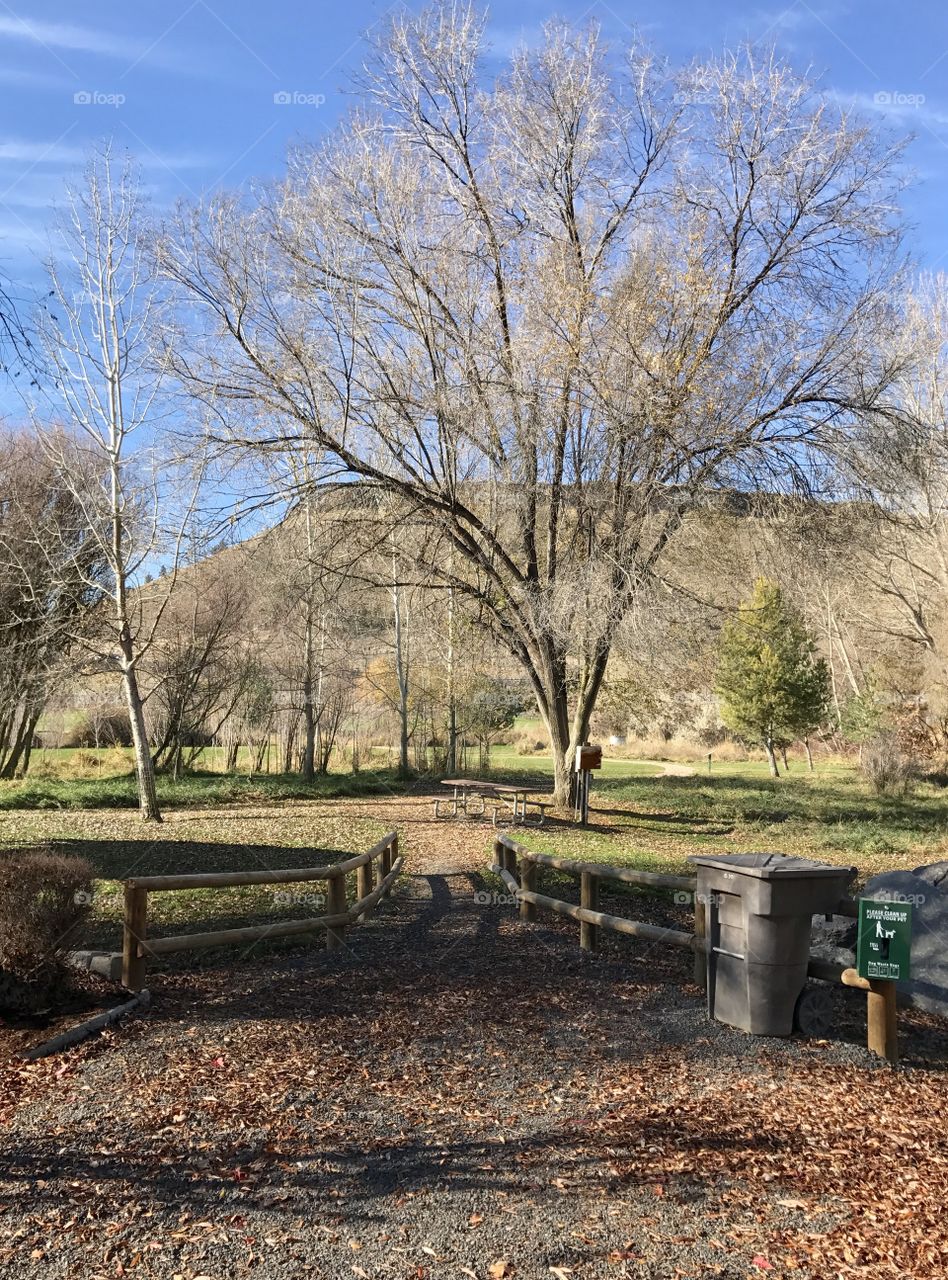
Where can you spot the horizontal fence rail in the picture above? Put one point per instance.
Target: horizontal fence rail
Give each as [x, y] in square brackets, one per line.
[517, 866]
[383, 858]
[511, 858]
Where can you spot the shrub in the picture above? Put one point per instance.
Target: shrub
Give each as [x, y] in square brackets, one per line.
[888, 769]
[112, 730]
[44, 897]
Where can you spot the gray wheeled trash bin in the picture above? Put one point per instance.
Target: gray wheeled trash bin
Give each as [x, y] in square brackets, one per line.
[758, 910]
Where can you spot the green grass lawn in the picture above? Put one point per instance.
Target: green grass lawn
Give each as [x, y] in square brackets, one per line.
[831, 815]
[118, 791]
[220, 822]
[508, 762]
[244, 837]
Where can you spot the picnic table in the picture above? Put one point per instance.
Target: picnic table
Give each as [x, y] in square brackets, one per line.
[471, 797]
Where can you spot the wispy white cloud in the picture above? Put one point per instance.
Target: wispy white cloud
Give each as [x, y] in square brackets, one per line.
[903, 107]
[17, 234]
[70, 38]
[789, 20]
[64, 35]
[24, 151]
[33, 79]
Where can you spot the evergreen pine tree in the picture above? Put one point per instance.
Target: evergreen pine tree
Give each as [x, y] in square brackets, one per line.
[772, 687]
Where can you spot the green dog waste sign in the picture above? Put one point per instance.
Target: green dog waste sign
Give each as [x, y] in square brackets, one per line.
[884, 940]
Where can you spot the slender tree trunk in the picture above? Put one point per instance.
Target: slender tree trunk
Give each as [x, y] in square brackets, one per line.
[24, 766]
[809, 754]
[771, 757]
[308, 768]
[451, 756]
[144, 769]
[401, 675]
[289, 743]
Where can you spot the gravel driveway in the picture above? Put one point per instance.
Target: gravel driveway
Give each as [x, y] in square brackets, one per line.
[454, 1094]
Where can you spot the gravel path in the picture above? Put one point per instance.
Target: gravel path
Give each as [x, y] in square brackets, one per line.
[452, 1094]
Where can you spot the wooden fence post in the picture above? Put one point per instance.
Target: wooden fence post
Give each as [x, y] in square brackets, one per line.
[364, 883]
[528, 881]
[389, 855]
[701, 937]
[500, 854]
[136, 925]
[589, 898]
[335, 905]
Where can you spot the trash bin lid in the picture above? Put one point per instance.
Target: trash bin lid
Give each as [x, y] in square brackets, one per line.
[771, 866]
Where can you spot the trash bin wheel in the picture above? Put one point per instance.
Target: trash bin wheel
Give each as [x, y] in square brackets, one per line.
[814, 1011]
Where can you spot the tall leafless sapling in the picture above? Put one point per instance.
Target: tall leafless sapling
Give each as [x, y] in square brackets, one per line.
[105, 375]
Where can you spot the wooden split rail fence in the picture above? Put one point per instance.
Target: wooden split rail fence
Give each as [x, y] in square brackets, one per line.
[510, 856]
[519, 867]
[137, 947]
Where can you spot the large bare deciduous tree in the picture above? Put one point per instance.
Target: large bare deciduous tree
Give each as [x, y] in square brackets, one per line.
[545, 315]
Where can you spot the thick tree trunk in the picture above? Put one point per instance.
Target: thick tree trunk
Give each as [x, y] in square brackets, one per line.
[18, 760]
[567, 734]
[557, 724]
[144, 769]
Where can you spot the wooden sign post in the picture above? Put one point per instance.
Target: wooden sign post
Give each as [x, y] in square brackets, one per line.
[883, 959]
[588, 758]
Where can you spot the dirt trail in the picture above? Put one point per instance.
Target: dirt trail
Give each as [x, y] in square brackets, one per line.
[672, 769]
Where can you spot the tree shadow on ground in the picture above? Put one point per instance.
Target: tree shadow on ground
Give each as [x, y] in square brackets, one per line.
[194, 1174]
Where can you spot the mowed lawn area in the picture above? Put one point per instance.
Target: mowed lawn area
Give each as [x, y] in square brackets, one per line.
[641, 817]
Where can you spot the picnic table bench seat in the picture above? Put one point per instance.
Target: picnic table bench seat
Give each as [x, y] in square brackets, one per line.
[507, 800]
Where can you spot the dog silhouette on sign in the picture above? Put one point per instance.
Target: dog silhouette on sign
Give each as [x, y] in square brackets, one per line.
[883, 938]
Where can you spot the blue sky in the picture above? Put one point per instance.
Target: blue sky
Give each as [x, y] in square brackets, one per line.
[194, 88]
